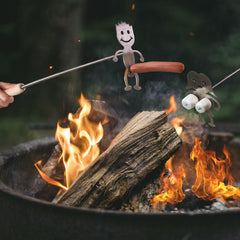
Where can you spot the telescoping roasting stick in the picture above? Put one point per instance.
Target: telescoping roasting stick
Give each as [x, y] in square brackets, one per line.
[176, 67]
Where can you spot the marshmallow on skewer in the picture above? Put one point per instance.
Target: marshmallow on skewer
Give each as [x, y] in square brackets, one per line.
[203, 105]
[201, 96]
[189, 101]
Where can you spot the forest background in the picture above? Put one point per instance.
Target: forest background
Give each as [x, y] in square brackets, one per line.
[40, 38]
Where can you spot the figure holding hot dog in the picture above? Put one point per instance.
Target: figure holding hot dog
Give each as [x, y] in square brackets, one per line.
[126, 38]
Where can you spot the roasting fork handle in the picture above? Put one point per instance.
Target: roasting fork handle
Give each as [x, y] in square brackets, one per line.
[15, 90]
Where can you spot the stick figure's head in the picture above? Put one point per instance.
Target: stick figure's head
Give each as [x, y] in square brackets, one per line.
[125, 34]
[198, 80]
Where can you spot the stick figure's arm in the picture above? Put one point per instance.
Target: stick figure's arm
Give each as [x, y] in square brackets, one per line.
[115, 58]
[140, 54]
[214, 101]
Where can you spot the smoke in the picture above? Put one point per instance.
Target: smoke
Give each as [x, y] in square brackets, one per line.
[157, 93]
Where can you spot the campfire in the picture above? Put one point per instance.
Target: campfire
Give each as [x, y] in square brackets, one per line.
[82, 164]
[140, 165]
[213, 177]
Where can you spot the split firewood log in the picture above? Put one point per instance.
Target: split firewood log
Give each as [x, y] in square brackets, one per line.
[141, 147]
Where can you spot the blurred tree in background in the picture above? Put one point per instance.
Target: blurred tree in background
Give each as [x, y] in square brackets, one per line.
[40, 38]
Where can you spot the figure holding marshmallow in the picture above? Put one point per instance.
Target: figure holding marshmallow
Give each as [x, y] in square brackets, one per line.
[202, 97]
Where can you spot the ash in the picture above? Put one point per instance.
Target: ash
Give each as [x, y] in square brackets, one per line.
[194, 205]
[190, 205]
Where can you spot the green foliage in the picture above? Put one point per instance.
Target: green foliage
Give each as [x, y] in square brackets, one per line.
[17, 130]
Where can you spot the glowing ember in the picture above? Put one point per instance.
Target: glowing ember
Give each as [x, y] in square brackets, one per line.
[211, 173]
[78, 142]
[50, 67]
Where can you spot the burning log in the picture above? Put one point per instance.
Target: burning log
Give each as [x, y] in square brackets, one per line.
[52, 170]
[41, 189]
[142, 147]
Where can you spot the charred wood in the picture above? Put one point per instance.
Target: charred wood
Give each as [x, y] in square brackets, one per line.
[55, 170]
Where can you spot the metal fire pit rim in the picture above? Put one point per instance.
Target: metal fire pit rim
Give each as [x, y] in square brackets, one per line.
[96, 211]
[44, 142]
[24, 148]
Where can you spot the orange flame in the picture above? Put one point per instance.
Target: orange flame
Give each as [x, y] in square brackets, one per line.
[176, 122]
[44, 176]
[171, 187]
[78, 142]
[211, 173]
[173, 105]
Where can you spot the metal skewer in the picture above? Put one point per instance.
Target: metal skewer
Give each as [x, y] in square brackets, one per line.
[135, 68]
[223, 80]
[20, 87]
[66, 71]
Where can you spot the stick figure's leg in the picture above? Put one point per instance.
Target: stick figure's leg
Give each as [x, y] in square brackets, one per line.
[200, 118]
[137, 87]
[210, 115]
[128, 87]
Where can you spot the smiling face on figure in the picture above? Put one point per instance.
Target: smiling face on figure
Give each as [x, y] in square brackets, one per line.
[125, 34]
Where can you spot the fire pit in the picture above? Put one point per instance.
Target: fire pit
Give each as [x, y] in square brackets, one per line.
[112, 194]
[31, 218]
[104, 202]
